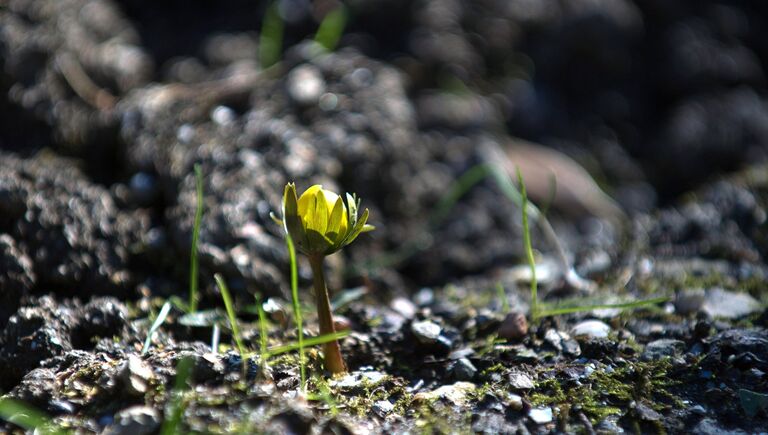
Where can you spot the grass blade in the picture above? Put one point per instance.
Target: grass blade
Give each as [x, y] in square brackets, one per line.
[502, 295]
[177, 403]
[230, 314]
[271, 37]
[307, 342]
[27, 417]
[159, 320]
[297, 309]
[623, 306]
[331, 28]
[193, 262]
[262, 329]
[528, 248]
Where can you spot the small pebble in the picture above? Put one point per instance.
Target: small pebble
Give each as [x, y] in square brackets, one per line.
[515, 402]
[136, 420]
[728, 304]
[404, 307]
[689, 301]
[591, 328]
[305, 84]
[520, 381]
[463, 370]
[223, 116]
[665, 347]
[426, 332]
[541, 415]
[382, 408]
[514, 327]
[135, 375]
[341, 323]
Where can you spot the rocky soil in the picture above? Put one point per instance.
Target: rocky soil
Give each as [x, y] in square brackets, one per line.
[106, 106]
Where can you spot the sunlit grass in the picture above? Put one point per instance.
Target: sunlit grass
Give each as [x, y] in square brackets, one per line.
[193, 260]
[297, 316]
[231, 314]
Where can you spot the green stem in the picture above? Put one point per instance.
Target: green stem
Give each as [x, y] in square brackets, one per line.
[334, 363]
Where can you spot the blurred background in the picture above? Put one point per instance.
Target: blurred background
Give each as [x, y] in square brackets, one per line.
[394, 100]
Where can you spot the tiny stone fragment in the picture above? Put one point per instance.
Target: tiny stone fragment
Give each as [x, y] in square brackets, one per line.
[382, 408]
[136, 420]
[541, 415]
[514, 327]
[135, 374]
[591, 328]
[426, 332]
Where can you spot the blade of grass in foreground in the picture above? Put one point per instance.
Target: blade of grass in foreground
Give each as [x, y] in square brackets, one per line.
[193, 266]
[159, 320]
[27, 417]
[177, 404]
[331, 28]
[262, 329]
[230, 314]
[296, 309]
[271, 37]
[307, 342]
[502, 295]
[528, 248]
[623, 306]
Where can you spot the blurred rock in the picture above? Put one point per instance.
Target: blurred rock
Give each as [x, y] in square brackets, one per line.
[591, 328]
[514, 327]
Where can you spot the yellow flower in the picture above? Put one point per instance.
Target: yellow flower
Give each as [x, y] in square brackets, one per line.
[319, 222]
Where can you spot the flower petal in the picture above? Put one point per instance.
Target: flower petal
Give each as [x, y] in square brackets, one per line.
[337, 225]
[305, 201]
[319, 219]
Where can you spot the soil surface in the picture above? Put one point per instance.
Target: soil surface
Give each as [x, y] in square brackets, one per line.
[640, 127]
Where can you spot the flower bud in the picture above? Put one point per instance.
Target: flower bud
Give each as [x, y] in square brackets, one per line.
[319, 222]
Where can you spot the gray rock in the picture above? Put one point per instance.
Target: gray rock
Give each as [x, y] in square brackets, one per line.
[541, 415]
[728, 304]
[610, 425]
[16, 279]
[644, 412]
[562, 342]
[515, 402]
[708, 426]
[135, 375]
[463, 370]
[514, 327]
[136, 420]
[382, 408]
[520, 381]
[426, 332]
[404, 307]
[358, 379]
[689, 301]
[305, 84]
[456, 393]
[666, 347]
[32, 335]
[591, 328]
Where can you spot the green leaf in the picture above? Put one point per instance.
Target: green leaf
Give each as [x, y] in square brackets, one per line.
[204, 318]
[351, 210]
[161, 316]
[357, 229]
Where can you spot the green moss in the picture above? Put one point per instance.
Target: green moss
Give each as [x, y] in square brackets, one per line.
[437, 418]
[604, 393]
